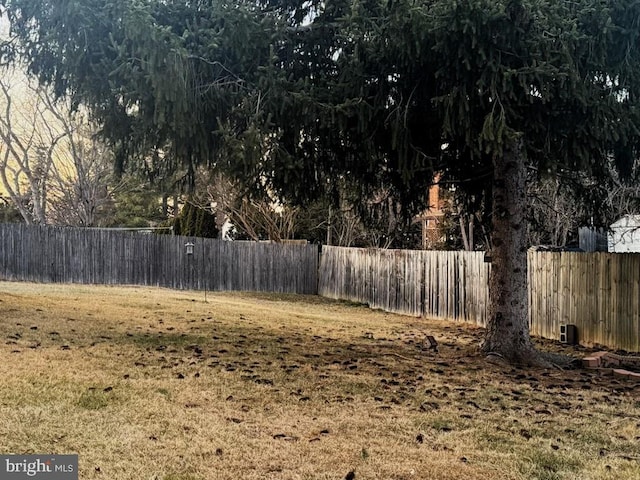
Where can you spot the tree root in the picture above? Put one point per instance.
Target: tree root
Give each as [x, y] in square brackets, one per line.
[559, 361]
[535, 359]
[496, 359]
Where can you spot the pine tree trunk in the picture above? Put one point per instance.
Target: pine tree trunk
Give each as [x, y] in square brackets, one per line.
[508, 325]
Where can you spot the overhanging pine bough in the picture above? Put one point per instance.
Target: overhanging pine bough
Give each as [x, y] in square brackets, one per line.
[382, 93]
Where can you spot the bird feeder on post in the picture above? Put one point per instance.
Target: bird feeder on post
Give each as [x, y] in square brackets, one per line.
[188, 249]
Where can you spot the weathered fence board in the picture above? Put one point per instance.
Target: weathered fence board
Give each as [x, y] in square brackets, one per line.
[598, 292]
[69, 255]
[437, 284]
[592, 239]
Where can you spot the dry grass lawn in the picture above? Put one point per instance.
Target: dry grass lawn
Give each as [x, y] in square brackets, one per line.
[157, 384]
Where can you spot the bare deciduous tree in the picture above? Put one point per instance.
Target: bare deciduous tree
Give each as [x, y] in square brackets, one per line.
[53, 167]
[555, 213]
[28, 147]
[563, 203]
[259, 218]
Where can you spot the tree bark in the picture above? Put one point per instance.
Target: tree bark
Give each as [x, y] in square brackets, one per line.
[463, 232]
[508, 325]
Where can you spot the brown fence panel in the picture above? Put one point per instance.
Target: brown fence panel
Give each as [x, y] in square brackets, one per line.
[597, 292]
[72, 255]
[450, 285]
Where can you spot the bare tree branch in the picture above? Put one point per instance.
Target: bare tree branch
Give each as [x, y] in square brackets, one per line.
[52, 167]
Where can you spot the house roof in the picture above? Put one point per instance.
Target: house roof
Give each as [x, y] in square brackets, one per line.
[627, 221]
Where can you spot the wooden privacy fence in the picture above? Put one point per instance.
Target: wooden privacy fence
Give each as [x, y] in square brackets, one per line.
[70, 255]
[413, 282]
[598, 292]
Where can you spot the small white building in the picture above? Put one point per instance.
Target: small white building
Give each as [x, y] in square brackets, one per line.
[624, 235]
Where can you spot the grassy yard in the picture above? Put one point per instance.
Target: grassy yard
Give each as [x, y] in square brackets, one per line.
[157, 384]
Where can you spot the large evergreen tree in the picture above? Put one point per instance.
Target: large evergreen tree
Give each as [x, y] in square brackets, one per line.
[544, 83]
[290, 95]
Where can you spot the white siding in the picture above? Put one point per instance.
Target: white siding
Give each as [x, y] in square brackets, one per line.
[624, 235]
